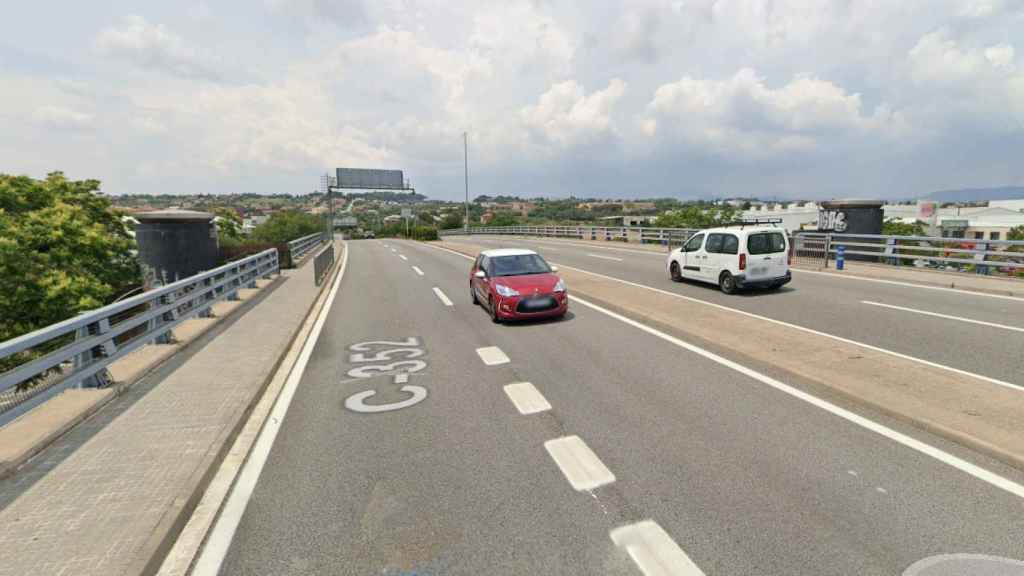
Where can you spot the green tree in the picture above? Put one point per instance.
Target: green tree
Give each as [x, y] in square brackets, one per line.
[504, 219]
[425, 218]
[451, 220]
[287, 225]
[1016, 233]
[229, 225]
[63, 251]
[894, 227]
[697, 216]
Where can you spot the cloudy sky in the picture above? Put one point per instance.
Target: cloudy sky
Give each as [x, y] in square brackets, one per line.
[689, 98]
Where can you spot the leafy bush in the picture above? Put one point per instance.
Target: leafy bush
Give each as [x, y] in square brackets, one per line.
[286, 226]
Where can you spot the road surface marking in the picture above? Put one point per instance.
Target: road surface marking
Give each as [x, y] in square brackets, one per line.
[604, 257]
[355, 402]
[223, 532]
[911, 284]
[653, 550]
[527, 398]
[995, 381]
[394, 250]
[582, 468]
[492, 356]
[444, 299]
[402, 256]
[900, 438]
[946, 316]
[417, 270]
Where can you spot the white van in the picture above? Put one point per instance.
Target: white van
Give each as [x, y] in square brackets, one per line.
[734, 258]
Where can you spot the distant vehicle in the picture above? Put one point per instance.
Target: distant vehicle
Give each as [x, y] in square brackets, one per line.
[734, 258]
[517, 284]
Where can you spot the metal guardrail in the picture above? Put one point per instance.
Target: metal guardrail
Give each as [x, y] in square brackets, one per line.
[77, 351]
[960, 254]
[301, 246]
[322, 264]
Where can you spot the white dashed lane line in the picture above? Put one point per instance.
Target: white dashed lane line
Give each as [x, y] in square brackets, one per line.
[527, 398]
[944, 316]
[394, 250]
[582, 468]
[417, 270]
[402, 256]
[442, 297]
[653, 550]
[492, 356]
[605, 257]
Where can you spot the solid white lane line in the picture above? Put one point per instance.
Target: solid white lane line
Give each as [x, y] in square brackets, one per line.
[653, 550]
[492, 356]
[582, 468]
[604, 257]
[946, 316]
[912, 443]
[441, 296]
[911, 285]
[220, 537]
[527, 398]
[402, 256]
[995, 381]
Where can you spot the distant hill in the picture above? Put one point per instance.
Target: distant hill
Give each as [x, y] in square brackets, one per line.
[977, 194]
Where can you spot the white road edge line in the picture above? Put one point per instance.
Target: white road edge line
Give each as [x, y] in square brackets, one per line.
[653, 550]
[526, 397]
[946, 316]
[492, 356]
[912, 443]
[900, 438]
[219, 539]
[417, 270]
[402, 256]
[581, 467]
[988, 379]
[604, 257]
[442, 297]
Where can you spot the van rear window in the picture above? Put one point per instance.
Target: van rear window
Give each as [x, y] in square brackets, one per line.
[766, 243]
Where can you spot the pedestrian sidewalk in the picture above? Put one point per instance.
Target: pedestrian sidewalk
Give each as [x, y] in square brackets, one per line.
[109, 496]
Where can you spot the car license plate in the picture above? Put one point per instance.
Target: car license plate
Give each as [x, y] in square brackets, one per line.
[537, 303]
[758, 270]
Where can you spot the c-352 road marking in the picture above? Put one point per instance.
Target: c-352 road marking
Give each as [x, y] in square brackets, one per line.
[945, 316]
[417, 270]
[443, 297]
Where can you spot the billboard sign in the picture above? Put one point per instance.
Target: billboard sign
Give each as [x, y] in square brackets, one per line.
[369, 179]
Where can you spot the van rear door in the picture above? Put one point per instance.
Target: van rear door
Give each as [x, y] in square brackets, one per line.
[766, 255]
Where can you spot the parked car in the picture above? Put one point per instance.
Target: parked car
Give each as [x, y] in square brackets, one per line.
[734, 258]
[515, 284]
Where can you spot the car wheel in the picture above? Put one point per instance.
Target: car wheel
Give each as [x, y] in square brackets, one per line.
[677, 274]
[727, 283]
[494, 311]
[472, 293]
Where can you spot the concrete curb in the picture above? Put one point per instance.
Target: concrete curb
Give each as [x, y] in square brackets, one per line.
[151, 556]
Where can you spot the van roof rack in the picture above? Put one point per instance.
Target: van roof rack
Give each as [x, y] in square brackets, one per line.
[752, 222]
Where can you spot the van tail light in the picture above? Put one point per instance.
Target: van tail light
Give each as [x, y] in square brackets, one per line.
[743, 261]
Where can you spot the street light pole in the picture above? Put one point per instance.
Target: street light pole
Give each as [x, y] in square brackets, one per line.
[465, 164]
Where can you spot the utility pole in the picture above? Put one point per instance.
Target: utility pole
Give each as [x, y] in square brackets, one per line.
[465, 164]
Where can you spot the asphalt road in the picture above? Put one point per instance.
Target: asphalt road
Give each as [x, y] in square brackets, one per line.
[737, 477]
[837, 306]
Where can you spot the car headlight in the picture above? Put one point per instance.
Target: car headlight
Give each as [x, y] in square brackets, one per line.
[560, 287]
[505, 290]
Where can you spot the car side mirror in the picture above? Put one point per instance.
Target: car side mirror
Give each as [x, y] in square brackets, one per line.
[554, 269]
[480, 274]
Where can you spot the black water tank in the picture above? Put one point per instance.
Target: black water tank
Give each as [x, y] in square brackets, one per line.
[850, 216]
[176, 244]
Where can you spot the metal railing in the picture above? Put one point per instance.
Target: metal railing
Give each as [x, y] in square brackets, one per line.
[818, 249]
[77, 351]
[322, 264]
[641, 235]
[302, 246]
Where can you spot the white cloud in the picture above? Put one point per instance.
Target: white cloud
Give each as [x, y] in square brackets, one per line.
[62, 118]
[565, 115]
[1000, 56]
[154, 47]
[344, 13]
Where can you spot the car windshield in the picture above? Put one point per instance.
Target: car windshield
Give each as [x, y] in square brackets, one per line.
[519, 265]
[766, 243]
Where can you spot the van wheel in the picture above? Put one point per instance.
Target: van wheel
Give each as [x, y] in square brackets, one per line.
[677, 275]
[727, 283]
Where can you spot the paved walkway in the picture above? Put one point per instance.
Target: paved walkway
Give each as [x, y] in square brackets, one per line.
[103, 498]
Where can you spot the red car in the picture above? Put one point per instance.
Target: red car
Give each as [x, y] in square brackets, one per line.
[517, 284]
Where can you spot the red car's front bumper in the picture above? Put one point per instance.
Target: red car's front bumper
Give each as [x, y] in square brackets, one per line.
[509, 307]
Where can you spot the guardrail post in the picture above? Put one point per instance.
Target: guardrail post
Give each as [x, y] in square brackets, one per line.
[890, 251]
[828, 248]
[981, 268]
